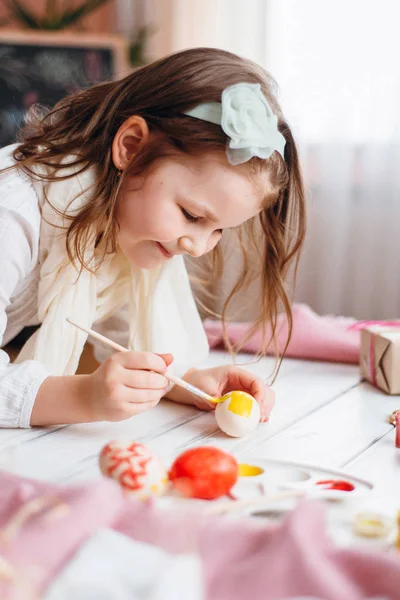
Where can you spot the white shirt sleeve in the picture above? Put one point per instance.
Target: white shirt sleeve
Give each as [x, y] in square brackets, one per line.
[19, 383]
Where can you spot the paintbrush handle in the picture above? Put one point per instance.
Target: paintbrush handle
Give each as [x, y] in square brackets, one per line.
[190, 388]
[115, 346]
[224, 507]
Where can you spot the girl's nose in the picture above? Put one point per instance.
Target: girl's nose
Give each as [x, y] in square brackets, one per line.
[195, 246]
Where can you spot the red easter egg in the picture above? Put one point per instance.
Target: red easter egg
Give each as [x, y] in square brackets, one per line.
[204, 472]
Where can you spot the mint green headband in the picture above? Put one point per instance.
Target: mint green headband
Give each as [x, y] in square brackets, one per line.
[247, 119]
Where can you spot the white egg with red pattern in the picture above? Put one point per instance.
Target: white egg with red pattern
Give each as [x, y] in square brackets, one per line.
[135, 467]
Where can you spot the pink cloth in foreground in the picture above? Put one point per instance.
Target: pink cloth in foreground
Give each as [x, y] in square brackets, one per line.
[314, 337]
[241, 559]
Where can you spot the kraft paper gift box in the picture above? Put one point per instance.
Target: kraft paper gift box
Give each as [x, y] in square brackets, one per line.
[380, 357]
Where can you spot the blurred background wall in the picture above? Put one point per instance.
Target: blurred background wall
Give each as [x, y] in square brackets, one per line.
[336, 65]
[101, 20]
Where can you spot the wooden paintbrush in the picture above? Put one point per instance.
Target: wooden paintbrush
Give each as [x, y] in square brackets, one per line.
[177, 380]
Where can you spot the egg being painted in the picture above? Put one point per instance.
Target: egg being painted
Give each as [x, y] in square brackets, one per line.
[135, 467]
[237, 414]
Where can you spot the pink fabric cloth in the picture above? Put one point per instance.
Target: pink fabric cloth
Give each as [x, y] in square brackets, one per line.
[241, 558]
[314, 337]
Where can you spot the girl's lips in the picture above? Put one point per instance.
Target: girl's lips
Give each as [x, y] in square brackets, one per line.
[164, 251]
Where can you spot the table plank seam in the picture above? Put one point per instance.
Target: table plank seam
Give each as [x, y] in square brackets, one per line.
[167, 427]
[144, 438]
[31, 439]
[270, 436]
[367, 447]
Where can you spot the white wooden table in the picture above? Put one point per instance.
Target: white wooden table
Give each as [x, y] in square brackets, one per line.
[323, 415]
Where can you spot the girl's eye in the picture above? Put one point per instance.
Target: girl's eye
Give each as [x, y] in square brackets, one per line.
[194, 219]
[189, 217]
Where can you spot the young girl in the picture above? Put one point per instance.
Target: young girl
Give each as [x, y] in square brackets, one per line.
[98, 206]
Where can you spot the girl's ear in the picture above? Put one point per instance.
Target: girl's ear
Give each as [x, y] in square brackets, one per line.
[128, 140]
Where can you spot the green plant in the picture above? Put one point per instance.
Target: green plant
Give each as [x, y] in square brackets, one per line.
[137, 46]
[54, 18]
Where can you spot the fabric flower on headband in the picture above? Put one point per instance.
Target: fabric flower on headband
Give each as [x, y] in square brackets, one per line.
[247, 119]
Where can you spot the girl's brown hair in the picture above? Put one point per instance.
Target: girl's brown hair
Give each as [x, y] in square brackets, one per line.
[85, 124]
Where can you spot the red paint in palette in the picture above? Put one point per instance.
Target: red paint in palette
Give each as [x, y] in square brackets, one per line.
[337, 484]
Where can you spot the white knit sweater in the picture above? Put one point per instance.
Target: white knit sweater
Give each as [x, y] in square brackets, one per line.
[20, 221]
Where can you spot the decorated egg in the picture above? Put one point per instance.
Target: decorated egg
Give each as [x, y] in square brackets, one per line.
[137, 469]
[238, 414]
[204, 472]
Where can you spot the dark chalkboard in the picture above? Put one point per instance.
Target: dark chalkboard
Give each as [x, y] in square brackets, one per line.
[43, 68]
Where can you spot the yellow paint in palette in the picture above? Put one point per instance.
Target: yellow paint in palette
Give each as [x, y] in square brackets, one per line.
[241, 403]
[372, 525]
[249, 470]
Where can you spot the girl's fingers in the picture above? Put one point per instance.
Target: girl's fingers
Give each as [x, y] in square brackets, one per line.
[245, 380]
[135, 396]
[203, 404]
[269, 401]
[137, 408]
[258, 389]
[141, 360]
[168, 358]
[265, 398]
[143, 380]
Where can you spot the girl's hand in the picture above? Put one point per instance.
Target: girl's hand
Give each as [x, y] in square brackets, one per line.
[218, 381]
[127, 384]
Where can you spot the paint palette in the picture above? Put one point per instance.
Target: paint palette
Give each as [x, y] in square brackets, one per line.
[343, 494]
[268, 477]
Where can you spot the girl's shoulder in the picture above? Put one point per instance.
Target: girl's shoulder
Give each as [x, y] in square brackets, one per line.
[17, 194]
[20, 215]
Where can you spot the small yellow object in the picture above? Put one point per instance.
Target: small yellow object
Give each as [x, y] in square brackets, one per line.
[372, 525]
[249, 470]
[392, 418]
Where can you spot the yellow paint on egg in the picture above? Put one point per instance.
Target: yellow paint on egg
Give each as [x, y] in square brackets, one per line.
[249, 470]
[238, 413]
[241, 403]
